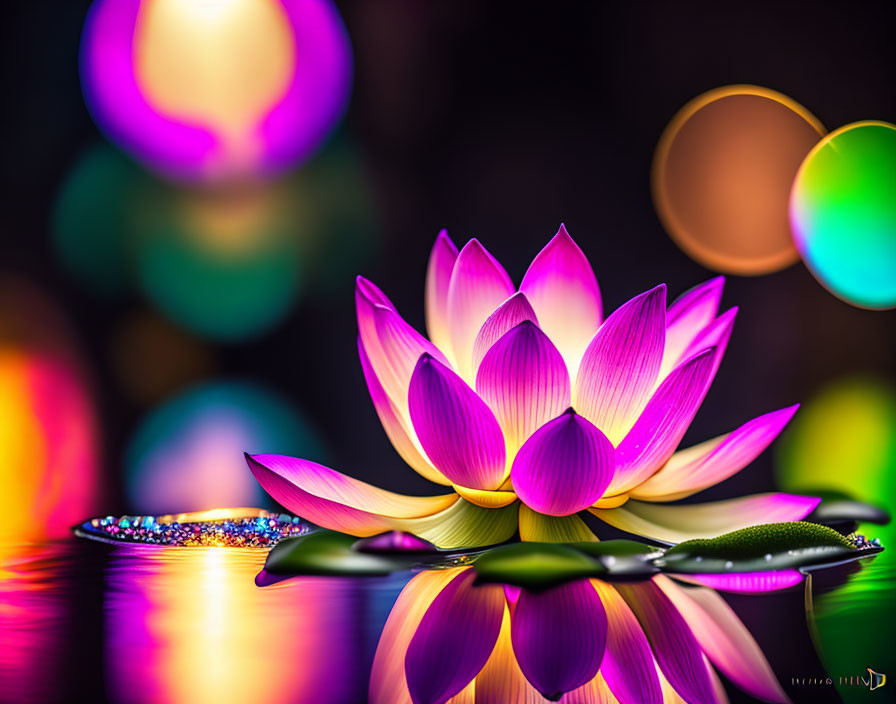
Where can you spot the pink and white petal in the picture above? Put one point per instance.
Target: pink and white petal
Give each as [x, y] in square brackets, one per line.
[688, 315]
[501, 681]
[388, 684]
[509, 314]
[716, 334]
[456, 429]
[677, 523]
[559, 637]
[663, 422]
[454, 640]
[628, 667]
[676, 650]
[538, 528]
[333, 500]
[462, 525]
[725, 639]
[402, 437]
[478, 286]
[438, 278]
[620, 366]
[391, 344]
[564, 467]
[524, 381]
[561, 286]
[704, 465]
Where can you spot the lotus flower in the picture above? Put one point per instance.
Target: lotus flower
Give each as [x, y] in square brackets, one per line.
[587, 641]
[534, 409]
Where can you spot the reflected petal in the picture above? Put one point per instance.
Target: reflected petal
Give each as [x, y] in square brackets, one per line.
[561, 286]
[688, 315]
[620, 366]
[564, 467]
[501, 681]
[725, 639]
[387, 679]
[509, 314]
[457, 430]
[746, 582]
[454, 639]
[559, 637]
[675, 524]
[704, 465]
[662, 424]
[674, 646]
[438, 277]
[478, 286]
[403, 438]
[539, 528]
[628, 667]
[335, 501]
[524, 380]
[594, 692]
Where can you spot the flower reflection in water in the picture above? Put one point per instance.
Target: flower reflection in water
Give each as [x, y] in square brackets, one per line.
[189, 625]
[32, 609]
[586, 641]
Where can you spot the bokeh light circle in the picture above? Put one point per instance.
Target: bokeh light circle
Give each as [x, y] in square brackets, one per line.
[212, 90]
[843, 213]
[722, 175]
[187, 455]
[49, 431]
[844, 440]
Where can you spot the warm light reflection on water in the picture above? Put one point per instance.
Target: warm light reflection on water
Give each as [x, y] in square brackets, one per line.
[189, 625]
[32, 609]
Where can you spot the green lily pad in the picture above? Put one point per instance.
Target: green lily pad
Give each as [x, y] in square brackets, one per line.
[773, 546]
[535, 566]
[325, 553]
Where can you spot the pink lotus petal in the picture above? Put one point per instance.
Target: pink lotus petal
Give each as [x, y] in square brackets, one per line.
[438, 277]
[746, 582]
[663, 423]
[394, 541]
[454, 639]
[561, 286]
[628, 666]
[478, 286]
[400, 434]
[559, 637]
[690, 313]
[677, 651]
[620, 366]
[564, 467]
[391, 345]
[675, 524]
[387, 679]
[725, 639]
[716, 335]
[371, 293]
[333, 500]
[456, 428]
[511, 313]
[524, 380]
[696, 468]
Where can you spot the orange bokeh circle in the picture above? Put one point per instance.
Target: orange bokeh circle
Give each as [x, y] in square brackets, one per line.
[722, 175]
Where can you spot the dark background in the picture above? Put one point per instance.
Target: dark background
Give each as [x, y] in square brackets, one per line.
[495, 120]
